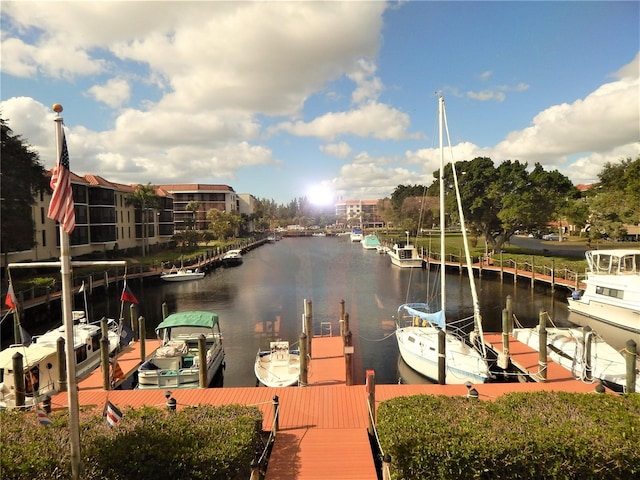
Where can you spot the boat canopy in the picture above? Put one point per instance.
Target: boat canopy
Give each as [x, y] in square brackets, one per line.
[31, 355]
[189, 319]
[417, 310]
[623, 261]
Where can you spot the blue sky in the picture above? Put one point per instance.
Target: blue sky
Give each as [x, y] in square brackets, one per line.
[321, 99]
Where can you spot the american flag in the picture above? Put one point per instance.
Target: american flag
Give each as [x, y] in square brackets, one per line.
[61, 207]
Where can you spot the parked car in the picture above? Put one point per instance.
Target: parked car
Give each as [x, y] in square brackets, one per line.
[553, 237]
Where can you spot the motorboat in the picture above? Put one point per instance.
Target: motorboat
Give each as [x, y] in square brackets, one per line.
[232, 258]
[405, 255]
[279, 366]
[581, 351]
[177, 362]
[381, 249]
[41, 360]
[356, 235]
[181, 275]
[371, 242]
[437, 349]
[612, 293]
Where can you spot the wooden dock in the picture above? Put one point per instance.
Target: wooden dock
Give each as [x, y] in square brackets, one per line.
[323, 426]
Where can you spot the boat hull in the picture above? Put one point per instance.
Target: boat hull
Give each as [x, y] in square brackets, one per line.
[617, 315]
[566, 347]
[278, 367]
[182, 277]
[419, 349]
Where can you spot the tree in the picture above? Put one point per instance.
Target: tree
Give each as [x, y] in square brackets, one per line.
[22, 176]
[193, 206]
[144, 198]
[223, 224]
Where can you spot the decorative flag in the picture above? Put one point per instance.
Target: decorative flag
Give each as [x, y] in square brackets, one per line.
[43, 418]
[126, 334]
[26, 338]
[112, 415]
[10, 299]
[127, 295]
[81, 289]
[118, 374]
[61, 207]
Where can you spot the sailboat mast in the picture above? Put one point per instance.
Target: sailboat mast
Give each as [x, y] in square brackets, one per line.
[477, 320]
[443, 295]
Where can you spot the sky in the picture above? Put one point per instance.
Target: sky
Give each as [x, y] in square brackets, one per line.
[325, 100]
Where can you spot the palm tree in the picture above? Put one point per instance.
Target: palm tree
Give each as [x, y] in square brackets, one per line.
[144, 197]
[193, 206]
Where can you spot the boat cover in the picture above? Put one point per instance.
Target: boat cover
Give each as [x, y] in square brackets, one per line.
[189, 319]
[32, 354]
[436, 318]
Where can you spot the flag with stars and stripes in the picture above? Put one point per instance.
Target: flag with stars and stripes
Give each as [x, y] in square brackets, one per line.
[61, 207]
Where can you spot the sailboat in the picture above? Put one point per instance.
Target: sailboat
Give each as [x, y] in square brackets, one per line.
[428, 344]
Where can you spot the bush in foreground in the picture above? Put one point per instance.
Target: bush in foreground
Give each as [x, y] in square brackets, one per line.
[517, 436]
[195, 442]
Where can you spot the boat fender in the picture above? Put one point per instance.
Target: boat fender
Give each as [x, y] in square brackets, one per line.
[576, 294]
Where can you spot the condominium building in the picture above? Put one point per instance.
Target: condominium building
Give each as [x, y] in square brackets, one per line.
[359, 212]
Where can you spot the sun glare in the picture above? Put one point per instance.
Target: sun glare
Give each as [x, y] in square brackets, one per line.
[320, 195]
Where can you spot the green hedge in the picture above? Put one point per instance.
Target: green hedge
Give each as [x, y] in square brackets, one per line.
[517, 436]
[201, 442]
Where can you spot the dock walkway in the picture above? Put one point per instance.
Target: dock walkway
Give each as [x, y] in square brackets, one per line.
[322, 427]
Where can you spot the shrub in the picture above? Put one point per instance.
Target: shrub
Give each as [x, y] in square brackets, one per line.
[195, 443]
[519, 435]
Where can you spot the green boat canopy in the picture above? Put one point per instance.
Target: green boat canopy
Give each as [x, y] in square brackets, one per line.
[189, 319]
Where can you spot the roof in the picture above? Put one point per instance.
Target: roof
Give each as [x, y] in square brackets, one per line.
[32, 354]
[189, 319]
[195, 187]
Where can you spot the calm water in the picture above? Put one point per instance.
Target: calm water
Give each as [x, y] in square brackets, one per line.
[275, 279]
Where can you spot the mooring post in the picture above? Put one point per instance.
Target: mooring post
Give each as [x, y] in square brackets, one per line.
[346, 328]
[132, 320]
[386, 467]
[276, 415]
[510, 313]
[143, 347]
[19, 383]
[503, 357]
[62, 365]
[371, 399]
[348, 354]
[542, 346]
[303, 380]
[442, 357]
[165, 311]
[587, 345]
[104, 363]
[553, 275]
[342, 309]
[46, 404]
[202, 357]
[631, 353]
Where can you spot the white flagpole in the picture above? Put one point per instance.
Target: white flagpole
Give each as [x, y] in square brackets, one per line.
[67, 317]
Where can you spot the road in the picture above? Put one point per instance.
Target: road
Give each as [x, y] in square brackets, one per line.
[544, 247]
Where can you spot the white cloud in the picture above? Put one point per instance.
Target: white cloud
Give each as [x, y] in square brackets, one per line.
[338, 150]
[375, 120]
[114, 93]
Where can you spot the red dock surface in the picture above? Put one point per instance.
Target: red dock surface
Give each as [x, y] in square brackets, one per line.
[322, 427]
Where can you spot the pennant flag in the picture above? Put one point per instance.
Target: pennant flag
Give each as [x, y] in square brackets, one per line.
[127, 295]
[112, 415]
[81, 289]
[10, 299]
[61, 207]
[126, 334]
[26, 338]
[118, 374]
[43, 418]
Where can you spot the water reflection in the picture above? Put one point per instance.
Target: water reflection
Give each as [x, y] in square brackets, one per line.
[263, 299]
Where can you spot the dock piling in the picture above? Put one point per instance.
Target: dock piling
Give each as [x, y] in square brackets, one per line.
[442, 357]
[348, 358]
[142, 329]
[503, 357]
[62, 368]
[17, 364]
[631, 353]
[202, 365]
[104, 363]
[276, 407]
[303, 380]
[542, 346]
[371, 399]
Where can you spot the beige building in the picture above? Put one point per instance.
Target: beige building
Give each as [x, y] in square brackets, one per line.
[359, 213]
[221, 197]
[104, 222]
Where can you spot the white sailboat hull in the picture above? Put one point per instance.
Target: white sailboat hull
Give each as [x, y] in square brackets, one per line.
[419, 349]
[566, 347]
